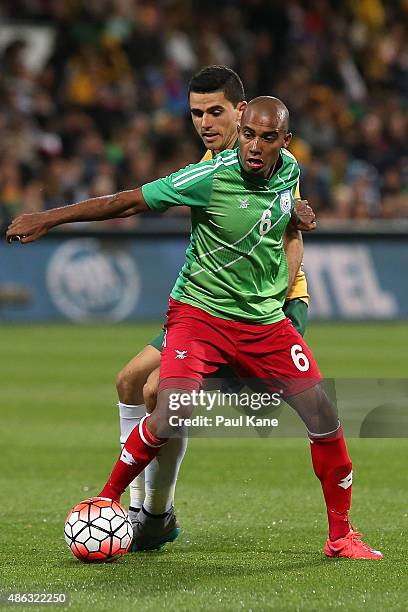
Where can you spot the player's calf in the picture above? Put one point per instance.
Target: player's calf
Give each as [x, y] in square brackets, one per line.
[129, 385]
[145, 441]
[138, 451]
[160, 476]
[331, 462]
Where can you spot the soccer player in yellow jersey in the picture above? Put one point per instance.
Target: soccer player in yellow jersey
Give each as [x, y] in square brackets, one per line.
[216, 97]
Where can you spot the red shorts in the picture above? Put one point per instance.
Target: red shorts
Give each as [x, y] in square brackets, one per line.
[197, 343]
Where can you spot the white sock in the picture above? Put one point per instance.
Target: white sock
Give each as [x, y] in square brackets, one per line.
[161, 476]
[129, 417]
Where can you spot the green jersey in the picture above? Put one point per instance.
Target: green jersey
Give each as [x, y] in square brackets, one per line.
[235, 265]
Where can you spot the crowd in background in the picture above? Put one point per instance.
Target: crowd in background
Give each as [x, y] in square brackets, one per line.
[107, 109]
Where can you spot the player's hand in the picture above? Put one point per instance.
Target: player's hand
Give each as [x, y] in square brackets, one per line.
[27, 228]
[304, 216]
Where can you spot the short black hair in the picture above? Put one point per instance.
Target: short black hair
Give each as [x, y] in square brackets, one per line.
[218, 78]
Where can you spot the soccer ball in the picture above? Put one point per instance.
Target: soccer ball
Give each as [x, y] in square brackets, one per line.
[98, 529]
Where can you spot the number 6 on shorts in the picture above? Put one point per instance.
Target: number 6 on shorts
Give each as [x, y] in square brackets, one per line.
[299, 359]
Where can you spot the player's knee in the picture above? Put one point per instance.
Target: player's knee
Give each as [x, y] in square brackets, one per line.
[150, 396]
[170, 425]
[122, 382]
[168, 419]
[129, 386]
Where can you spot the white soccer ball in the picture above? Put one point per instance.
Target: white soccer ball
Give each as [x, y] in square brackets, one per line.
[98, 529]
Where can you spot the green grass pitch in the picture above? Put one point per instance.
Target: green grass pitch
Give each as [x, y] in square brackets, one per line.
[252, 513]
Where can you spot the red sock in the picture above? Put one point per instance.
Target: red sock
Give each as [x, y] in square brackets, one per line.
[140, 448]
[332, 465]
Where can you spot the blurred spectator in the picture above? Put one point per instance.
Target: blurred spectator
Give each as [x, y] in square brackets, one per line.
[107, 108]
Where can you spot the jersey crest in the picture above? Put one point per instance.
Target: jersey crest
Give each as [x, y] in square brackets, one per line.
[285, 201]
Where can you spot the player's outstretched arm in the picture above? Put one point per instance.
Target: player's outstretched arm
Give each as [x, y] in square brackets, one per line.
[30, 227]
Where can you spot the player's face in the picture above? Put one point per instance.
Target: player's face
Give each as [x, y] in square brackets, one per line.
[261, 137]
[215, 118]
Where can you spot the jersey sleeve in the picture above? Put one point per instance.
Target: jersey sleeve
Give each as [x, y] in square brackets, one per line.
[297, 191]
[191, 186]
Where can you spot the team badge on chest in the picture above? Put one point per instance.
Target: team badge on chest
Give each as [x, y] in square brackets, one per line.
[285, 201]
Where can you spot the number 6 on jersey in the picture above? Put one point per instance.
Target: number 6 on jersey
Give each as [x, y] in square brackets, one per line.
[265, 223]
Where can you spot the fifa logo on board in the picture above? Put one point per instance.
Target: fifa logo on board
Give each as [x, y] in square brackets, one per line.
[87, 280]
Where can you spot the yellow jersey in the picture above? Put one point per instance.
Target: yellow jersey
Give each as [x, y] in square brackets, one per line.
[298, 290]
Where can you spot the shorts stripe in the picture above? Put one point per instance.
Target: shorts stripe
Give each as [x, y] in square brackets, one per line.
[175, 382]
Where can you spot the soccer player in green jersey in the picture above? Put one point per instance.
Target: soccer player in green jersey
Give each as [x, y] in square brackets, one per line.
[226, 305]
[216, 98]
